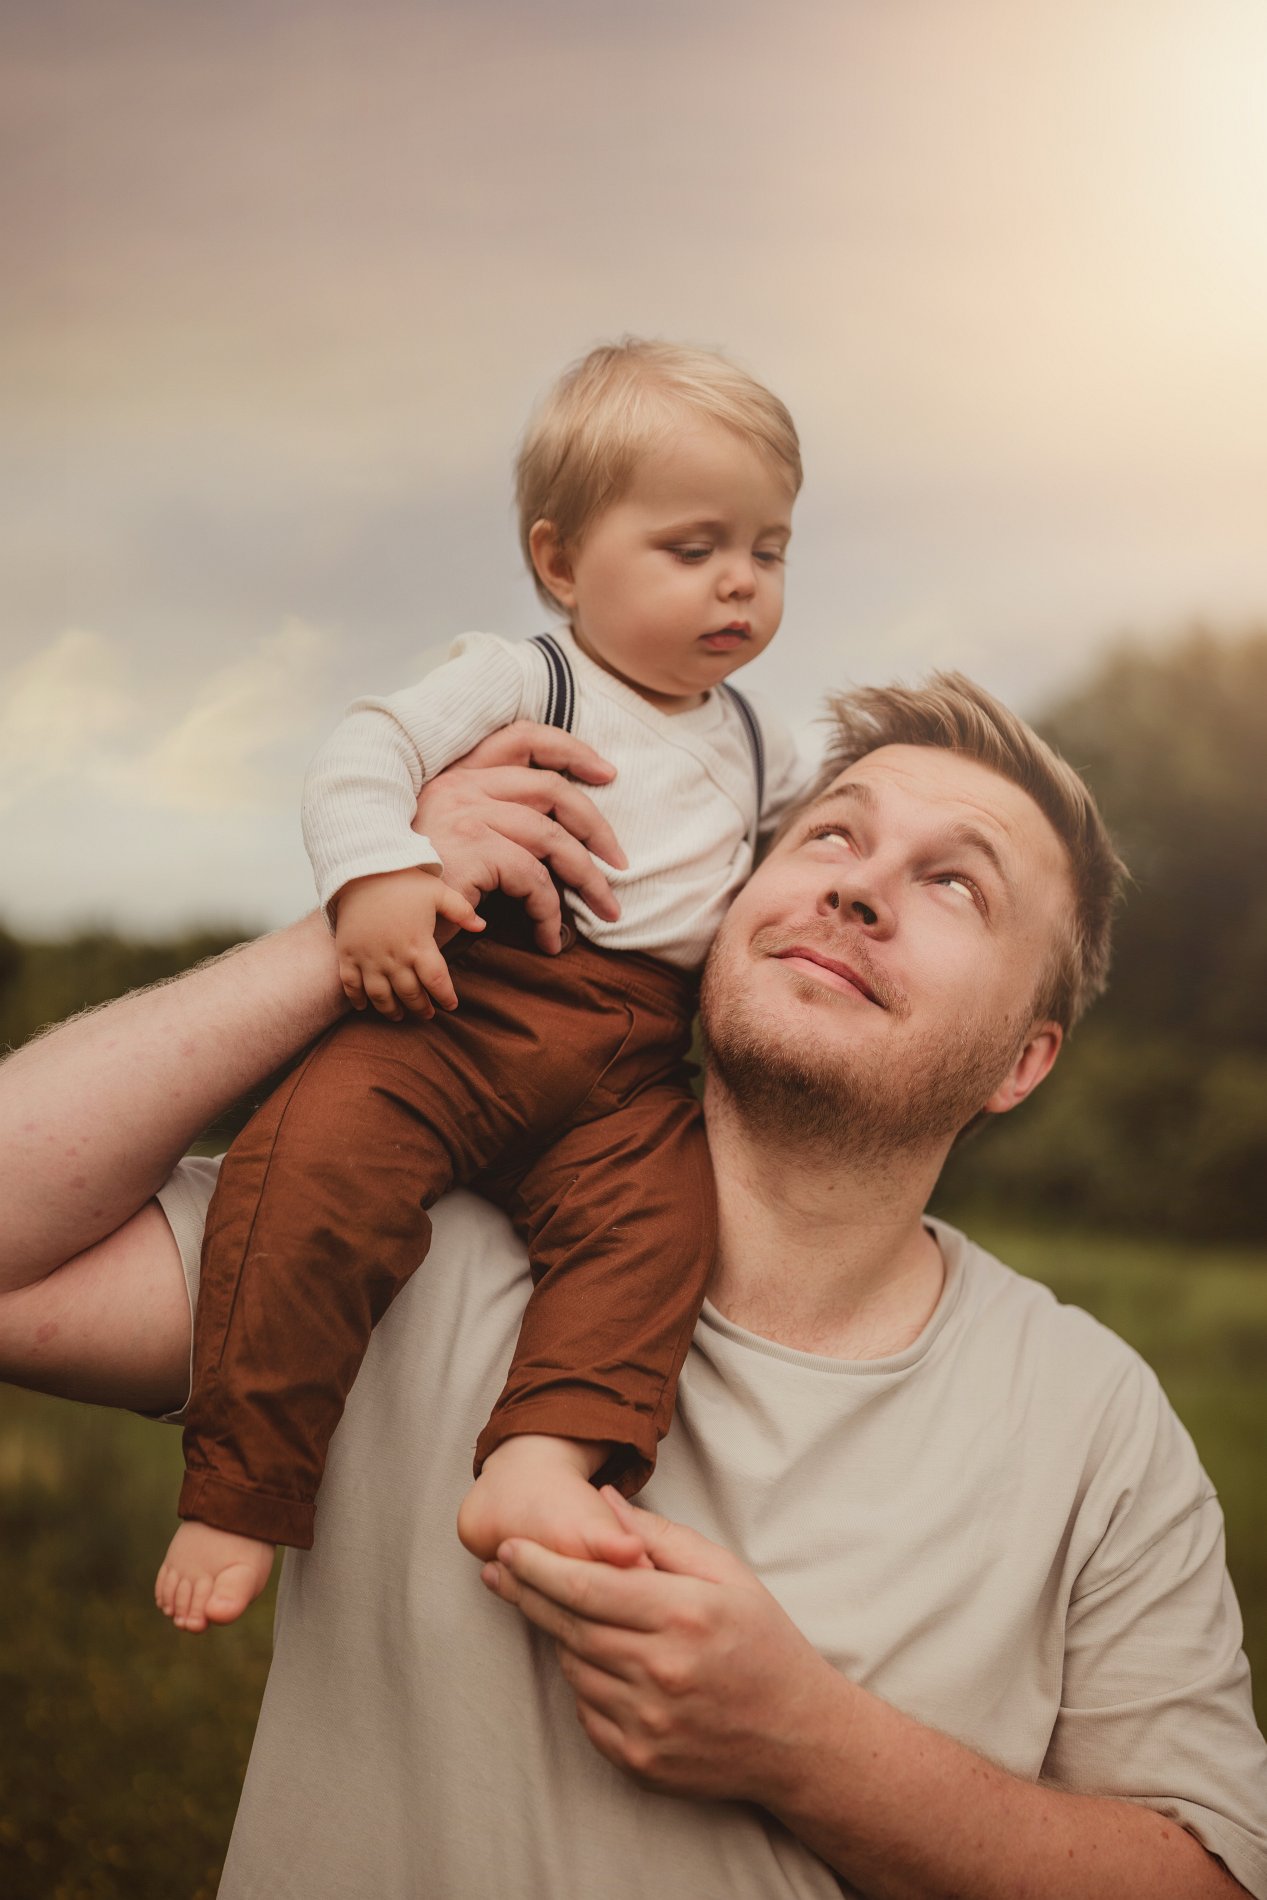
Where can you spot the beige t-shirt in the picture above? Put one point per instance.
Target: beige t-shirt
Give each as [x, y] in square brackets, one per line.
[1003, 1530]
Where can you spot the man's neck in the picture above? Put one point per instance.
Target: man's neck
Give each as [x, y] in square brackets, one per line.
[824, 1253]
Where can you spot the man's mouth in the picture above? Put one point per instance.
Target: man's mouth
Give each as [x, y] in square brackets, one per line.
[830, 970]
[726, 639]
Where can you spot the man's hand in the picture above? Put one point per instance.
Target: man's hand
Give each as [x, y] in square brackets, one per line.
[385, 936]
[691, 1678]
[504, 816]
[688, 1675]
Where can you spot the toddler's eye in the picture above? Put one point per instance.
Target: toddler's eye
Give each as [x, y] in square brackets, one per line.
[692, 554]
[769, 557]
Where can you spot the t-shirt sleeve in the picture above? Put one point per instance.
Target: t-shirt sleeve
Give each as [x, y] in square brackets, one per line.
[1155, 1703]
[362, 787]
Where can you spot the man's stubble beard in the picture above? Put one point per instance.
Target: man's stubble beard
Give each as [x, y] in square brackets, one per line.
[849, 1107]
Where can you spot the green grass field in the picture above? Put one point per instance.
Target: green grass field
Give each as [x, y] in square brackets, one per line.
[123, 1744]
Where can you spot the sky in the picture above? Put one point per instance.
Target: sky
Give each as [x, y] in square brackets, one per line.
[286, 278]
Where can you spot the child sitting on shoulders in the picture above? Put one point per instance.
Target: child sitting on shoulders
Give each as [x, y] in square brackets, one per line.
[655, 493]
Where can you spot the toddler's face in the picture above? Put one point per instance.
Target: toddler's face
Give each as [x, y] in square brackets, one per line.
[680, 582]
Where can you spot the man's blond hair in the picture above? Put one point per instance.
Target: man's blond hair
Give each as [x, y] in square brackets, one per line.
[618, 403]
[952, 712]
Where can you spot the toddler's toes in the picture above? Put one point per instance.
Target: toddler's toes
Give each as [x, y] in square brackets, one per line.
[233, 1589]
[197, 1614]
[183, 1617]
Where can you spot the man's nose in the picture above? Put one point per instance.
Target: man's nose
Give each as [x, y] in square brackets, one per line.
[866, 907]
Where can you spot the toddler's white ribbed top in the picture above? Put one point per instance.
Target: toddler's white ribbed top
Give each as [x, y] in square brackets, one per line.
[682, 804]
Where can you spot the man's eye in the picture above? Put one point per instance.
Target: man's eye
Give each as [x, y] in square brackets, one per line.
[828, 831]
[956, 879]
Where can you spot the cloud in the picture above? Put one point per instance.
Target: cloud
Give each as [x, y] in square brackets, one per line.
[76, 714]
[233, 748]
[62, 711]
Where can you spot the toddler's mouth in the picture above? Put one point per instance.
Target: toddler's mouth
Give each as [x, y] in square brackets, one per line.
[726, 639]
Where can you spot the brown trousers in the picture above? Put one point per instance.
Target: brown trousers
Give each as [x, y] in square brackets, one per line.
[558, 1089]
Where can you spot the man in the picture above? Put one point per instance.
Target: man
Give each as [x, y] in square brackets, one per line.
[935, 1598]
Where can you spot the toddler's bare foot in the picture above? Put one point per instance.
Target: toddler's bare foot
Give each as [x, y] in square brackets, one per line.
[539, 1488]
[210, 1576]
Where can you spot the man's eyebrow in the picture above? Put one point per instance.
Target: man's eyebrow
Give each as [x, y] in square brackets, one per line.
[965, 837]
[851, 793]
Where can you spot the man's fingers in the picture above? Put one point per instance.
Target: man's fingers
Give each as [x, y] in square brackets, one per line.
[604, 1646]
[626, 1599]
[671, 1547]
[524, 743]
[550, 843]
[557, 797]
[546, 792]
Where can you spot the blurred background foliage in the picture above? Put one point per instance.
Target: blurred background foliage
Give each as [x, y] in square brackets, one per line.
[1155, 1118]
[1133, 1184]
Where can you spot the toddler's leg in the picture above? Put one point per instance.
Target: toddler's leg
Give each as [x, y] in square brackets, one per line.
[620, 1218]
[320, 1218]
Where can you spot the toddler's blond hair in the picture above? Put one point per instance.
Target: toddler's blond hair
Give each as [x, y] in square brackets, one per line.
[610, 409]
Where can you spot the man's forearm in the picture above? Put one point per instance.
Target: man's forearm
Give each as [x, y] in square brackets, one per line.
[905, 1813]
[94, 1116]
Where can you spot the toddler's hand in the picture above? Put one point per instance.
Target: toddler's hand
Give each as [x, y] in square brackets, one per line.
[385, 936]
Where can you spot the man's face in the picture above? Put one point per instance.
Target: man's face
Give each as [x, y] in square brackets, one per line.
[877, 976]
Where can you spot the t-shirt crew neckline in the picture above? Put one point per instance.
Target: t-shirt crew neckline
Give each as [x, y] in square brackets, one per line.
[706, 714]
[953, 1248]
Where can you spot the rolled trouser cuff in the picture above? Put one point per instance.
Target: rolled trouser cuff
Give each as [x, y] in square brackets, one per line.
[632, 1436]
[231, 1507]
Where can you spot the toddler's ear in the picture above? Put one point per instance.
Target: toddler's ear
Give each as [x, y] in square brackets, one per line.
[552, 561]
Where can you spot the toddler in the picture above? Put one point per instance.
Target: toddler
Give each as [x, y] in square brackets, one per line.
[655, 492]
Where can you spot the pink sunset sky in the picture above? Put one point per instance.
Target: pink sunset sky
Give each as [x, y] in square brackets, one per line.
[284, 280]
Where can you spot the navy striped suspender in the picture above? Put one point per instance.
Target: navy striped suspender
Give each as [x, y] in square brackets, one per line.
[752, 727]
[561, 704]
[561, 709]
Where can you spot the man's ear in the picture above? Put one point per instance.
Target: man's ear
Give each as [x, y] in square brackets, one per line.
[1031, 1066]
[552, 562]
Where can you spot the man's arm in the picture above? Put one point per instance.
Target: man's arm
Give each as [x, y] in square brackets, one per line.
[95, 1115]
[691, 1677]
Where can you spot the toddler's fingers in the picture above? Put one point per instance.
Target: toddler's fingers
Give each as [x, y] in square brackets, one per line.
[451, 904]
[353, 988]
[411, 993]
[382, 995]
[433, 973]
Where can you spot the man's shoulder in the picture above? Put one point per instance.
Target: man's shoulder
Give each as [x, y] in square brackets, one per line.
[1073, 1383]
[1010, 1310]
